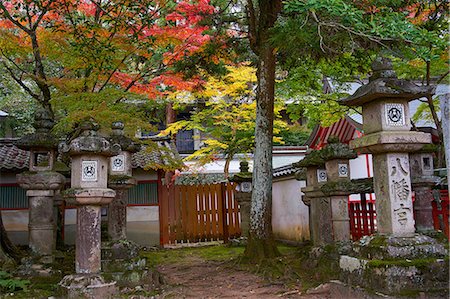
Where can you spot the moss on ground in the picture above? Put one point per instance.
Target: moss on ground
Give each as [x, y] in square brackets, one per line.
[44, 287]
[219, 253]
[293, 267]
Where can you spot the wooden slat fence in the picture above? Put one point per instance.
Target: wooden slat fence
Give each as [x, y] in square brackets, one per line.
[199, 213]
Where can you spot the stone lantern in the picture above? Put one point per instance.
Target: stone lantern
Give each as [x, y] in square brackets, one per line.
[319, 204]
[42, 184]
[243, 181]
[422, 181]
[392, 259]
[89, 176]
[336, 156]
[388, 136]
[120, 180]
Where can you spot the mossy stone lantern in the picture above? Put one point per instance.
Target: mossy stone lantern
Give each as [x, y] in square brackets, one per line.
[320, 224]
[388, 137]
[243, 180]
[120, 179]
[42, 184]
[90, 155]
[336, 156]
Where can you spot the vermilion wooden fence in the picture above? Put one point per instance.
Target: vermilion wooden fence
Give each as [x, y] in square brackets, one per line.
[362, 217]
[441, 215]
[198, 213]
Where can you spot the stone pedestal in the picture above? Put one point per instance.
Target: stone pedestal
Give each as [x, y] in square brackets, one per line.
[392, 187]
[322, 225]
[88, 239]
[87, 253]
[398, 265]
[41, 224]
[423, 209]
[244, 199]
[117, 209]
[340, 218]
[41, 188]
[422, 181]
[117, 216]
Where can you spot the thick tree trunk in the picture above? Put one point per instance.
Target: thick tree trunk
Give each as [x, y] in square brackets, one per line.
[261, 243]
[8, 251]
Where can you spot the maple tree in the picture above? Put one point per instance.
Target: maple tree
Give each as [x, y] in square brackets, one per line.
[84, 58]
[225, 116]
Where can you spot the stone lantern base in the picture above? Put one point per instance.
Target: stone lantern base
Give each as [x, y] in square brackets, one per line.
[398, 265]
[86, 286]
[121, 262]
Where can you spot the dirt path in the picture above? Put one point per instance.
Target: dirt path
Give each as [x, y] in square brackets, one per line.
[207, 279]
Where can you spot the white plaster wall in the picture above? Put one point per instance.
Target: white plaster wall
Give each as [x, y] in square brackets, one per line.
[290, 218]
[15, 220]
[143, 213]
[135, 213]
[361, 167]
[358, 167]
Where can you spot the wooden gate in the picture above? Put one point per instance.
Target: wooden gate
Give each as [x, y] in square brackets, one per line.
[199, 213]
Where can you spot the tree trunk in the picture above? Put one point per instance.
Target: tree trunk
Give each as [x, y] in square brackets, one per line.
[445, 112]
[261, 244]
[8, 251]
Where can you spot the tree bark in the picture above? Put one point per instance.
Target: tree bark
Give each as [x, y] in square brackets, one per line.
[261, 244]
[8, 251]
[445, 112]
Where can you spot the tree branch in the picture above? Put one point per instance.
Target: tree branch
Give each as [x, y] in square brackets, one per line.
[252, 27]
[21, 83]
[43, 12]
[14, 21]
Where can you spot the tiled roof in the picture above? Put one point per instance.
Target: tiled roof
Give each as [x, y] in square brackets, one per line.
[13, 158]
[288, 171]
[284, 171]
[165, 153]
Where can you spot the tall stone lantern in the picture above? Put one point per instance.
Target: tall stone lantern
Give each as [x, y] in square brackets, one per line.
[89, 176]
[388, 136]
[392, 259]
[120, 180]
[243, 181]
[41, 183]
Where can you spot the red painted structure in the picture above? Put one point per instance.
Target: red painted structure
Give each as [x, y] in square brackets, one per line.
[441, 215]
